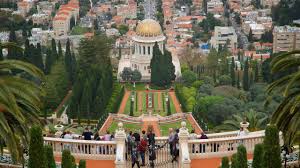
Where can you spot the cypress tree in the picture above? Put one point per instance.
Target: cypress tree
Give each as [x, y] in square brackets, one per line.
[72, 22]
[82, 164]
[49, 62]
[68, 59]
[29, 33]
[225, 162]
[66, 159]
[258, 156]
[251, 79]
[72, 74]
[24, 32]
[155, 65]
[96, 27]
[242, 157]
[11, 52]
[54, 51]
[131, 107]
[49, 156]
[271, 148]
[238, 81]
[27, 50]
[37, 158]
[246, 76]
[232, 72]
[1, 53]
[250, 36]
[60, 52]
[39, 57]
[256, 73]
[168, 107]
[234, 161]
[31, 52]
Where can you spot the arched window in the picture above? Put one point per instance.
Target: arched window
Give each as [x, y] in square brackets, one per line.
[148, 50]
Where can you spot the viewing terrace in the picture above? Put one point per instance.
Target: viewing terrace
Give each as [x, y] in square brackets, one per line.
[193, 153]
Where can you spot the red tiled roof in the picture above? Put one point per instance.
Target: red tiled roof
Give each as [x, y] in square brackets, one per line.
[59, 18]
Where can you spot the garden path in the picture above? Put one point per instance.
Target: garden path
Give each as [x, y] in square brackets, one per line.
[175, 102]
[159, 101]
[140, 101]
[150, 120]
[124, 101]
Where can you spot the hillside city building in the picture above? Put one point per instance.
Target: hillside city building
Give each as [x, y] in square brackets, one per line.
[286, 38]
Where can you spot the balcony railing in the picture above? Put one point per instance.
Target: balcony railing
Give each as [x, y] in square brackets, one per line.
[85, 149]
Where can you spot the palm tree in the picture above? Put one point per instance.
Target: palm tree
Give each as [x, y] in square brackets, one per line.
[256, 120]
[287, 115]
[19, 103]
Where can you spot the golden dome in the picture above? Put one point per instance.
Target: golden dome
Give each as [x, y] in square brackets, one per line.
[148, 28]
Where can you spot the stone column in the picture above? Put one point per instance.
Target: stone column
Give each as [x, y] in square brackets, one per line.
[184, 155]
[120, 137]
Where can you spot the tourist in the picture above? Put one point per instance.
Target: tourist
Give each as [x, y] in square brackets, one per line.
[68, 135]
[87, 134]
[193, 135]
[175, 146]
[137, 137]
[242, 132]
[96, 136]
[144, 135]
[151, 137]
[202, 146]
[63, 134]
[107, 136]
[142, 149]
[203, 136]
[170, 140]
[134, 154]
[129, 141]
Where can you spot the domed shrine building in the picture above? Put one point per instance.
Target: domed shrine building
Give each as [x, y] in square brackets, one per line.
[148, 32]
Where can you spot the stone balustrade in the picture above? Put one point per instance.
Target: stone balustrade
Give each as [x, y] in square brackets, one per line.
[224, 146]
[83, 149]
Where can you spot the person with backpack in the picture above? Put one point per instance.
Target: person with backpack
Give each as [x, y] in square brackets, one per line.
[134, 154]
[175, 146]
[142, 147]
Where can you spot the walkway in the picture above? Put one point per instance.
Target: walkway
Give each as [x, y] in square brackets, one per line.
[124, 101]
[175, 102]
[149, 120]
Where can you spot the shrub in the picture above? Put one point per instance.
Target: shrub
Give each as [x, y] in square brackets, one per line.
[258, 156]
[271, 148]
[82, 164]
[224, 80]
[49, 156]
[66, 159]
[189, 77]
[242, 157]
[37, 158]
[225, 162]
[197, 84]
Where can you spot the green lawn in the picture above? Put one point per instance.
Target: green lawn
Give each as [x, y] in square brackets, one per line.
[129, 126]
[77, 30]
[164, 128]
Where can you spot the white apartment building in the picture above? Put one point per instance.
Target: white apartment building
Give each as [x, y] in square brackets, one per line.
[257, 30]
[215, 7]
[286, 38]
[223, 36]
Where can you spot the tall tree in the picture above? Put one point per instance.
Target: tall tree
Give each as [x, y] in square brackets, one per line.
[60, 52]
[49, 156]
[48, 62]
[256, 72]
[72, 22]
[68, 59]
[287, 115]
[258, 156]
[82, 164]
[39, 57]
[250, 36]
[232, 72]
[17, 118]
[271, 156]
[37, 158]
[242, 157]
[162, 68]
[225, 162]
[246, 76]
[12, 53]
[238, 85]
[1, 53]
[54, 50]
[66, 159]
